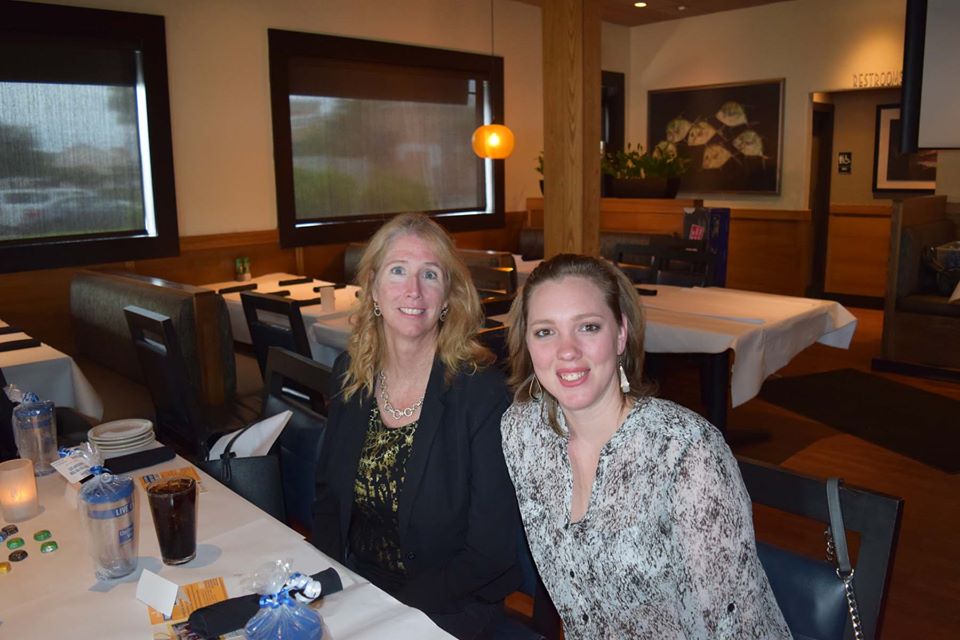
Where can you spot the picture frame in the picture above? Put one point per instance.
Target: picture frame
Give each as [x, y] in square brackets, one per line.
[895, 171]
[731, 134]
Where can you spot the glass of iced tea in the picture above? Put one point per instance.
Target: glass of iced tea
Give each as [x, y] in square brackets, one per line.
[173, 505]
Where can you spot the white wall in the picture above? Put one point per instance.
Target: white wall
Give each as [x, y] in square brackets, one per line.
[817, 45]
[219, 87]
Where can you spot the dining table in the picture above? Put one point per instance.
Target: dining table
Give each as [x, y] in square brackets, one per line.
[48, 372]
[742, 337]
[304, 289]
[56, 595]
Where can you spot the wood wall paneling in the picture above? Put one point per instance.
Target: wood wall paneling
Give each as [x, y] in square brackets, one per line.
[858, 246]
[769, 249]
[39, 301]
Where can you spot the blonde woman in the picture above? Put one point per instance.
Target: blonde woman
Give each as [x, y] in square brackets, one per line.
[413, 492]
[633, 506]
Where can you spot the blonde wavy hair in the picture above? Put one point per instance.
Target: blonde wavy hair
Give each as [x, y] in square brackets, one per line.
[621, 298]
[457, 344]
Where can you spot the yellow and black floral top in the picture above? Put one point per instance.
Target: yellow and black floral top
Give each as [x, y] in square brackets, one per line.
[374, 528]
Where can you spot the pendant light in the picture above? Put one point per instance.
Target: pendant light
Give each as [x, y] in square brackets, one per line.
[493, 141]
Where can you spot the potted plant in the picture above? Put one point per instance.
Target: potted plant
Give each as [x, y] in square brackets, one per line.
[635, 174]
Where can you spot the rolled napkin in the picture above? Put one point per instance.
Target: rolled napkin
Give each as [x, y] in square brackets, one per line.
[139, 460]
[15, 345]
[8, 329]
[291, 281]
[229, 615]
[238, 288]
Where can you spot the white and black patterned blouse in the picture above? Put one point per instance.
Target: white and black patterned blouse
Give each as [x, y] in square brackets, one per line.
[666, 547]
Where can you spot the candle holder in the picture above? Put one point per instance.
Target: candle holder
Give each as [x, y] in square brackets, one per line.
[18, 490]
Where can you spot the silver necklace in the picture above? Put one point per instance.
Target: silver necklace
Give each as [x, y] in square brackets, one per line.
[389, 408]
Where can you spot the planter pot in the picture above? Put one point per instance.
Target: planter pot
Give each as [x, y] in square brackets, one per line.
[643, 187]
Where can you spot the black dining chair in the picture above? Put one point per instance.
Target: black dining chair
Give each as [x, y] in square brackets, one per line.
[544, 623]
[302, 438]
[494, 337]
[875, 517]
[181, 421]
[275, 321]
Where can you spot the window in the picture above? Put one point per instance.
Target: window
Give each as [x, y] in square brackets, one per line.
[86, 166]
[364, 130]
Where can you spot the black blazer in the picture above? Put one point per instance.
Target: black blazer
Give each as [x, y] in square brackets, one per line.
[458, 515]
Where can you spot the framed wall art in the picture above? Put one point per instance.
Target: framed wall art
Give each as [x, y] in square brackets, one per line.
[731, 134]
[895, 171]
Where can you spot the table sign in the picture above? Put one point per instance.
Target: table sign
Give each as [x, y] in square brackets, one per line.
[18, 495]
[157, 593]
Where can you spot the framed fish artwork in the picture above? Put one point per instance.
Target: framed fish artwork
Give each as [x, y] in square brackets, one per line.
[895, 171]
[730, 133]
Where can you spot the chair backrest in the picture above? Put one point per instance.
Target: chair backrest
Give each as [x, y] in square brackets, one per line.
[274, 321]
[667, 259]
[493, 279]
[875, 516]
[179, 420]
[8, 447]
[494, 337]
[302, 438]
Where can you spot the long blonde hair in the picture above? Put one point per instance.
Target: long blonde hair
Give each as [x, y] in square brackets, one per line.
[457, 344]
[621, 298]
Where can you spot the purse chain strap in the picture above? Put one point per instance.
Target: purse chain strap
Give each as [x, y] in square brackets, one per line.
[837, 554]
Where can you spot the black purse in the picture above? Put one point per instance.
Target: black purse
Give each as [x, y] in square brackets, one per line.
[816, 596]
[256, 478]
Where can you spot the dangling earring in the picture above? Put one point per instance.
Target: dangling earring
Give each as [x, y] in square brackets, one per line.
[624, 383]
[539, 393]
[443, 313]
[376, 310]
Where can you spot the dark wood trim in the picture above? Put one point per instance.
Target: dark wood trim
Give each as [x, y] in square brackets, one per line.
[916, 370]
[850, 300]
[284, 45]
[126, 32]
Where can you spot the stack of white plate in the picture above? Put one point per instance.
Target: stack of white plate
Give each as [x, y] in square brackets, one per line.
[121, 437]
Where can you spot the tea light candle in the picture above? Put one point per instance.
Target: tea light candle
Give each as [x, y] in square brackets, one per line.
[18, 490]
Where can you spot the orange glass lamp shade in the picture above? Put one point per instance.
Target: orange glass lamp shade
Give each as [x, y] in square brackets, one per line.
[493, 141]
[18, 490]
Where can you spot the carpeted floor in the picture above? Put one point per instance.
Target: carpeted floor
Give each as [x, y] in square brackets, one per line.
[915, 423]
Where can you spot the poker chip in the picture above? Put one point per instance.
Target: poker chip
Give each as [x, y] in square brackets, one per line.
[18, 555]
[10, 529]
[48, 547]
[14, 543]
[41, 535]
[5, 567]
[3, 536]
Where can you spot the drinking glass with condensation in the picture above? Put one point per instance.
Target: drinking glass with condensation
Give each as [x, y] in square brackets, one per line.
[173, 505]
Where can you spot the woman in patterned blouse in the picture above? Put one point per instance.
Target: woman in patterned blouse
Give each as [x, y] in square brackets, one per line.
[413, 491]
[634, 507]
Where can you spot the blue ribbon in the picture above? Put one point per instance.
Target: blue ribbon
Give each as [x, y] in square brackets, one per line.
[98, 469]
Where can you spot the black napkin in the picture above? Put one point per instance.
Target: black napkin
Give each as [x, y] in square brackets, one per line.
[139, 460]
[229, 615]
[287, 283]
[282, 293]
[5, 330]
[14, 345]
[646, 292]
[239, 287]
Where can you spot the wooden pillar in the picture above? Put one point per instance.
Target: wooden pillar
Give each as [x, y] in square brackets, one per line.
[571, 118]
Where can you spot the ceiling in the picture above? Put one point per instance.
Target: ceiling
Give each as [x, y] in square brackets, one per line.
[623, 12]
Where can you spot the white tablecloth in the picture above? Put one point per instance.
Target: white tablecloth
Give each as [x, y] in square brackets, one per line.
[55, 595]
[345, 298]
[51, 374]
[765, 331]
